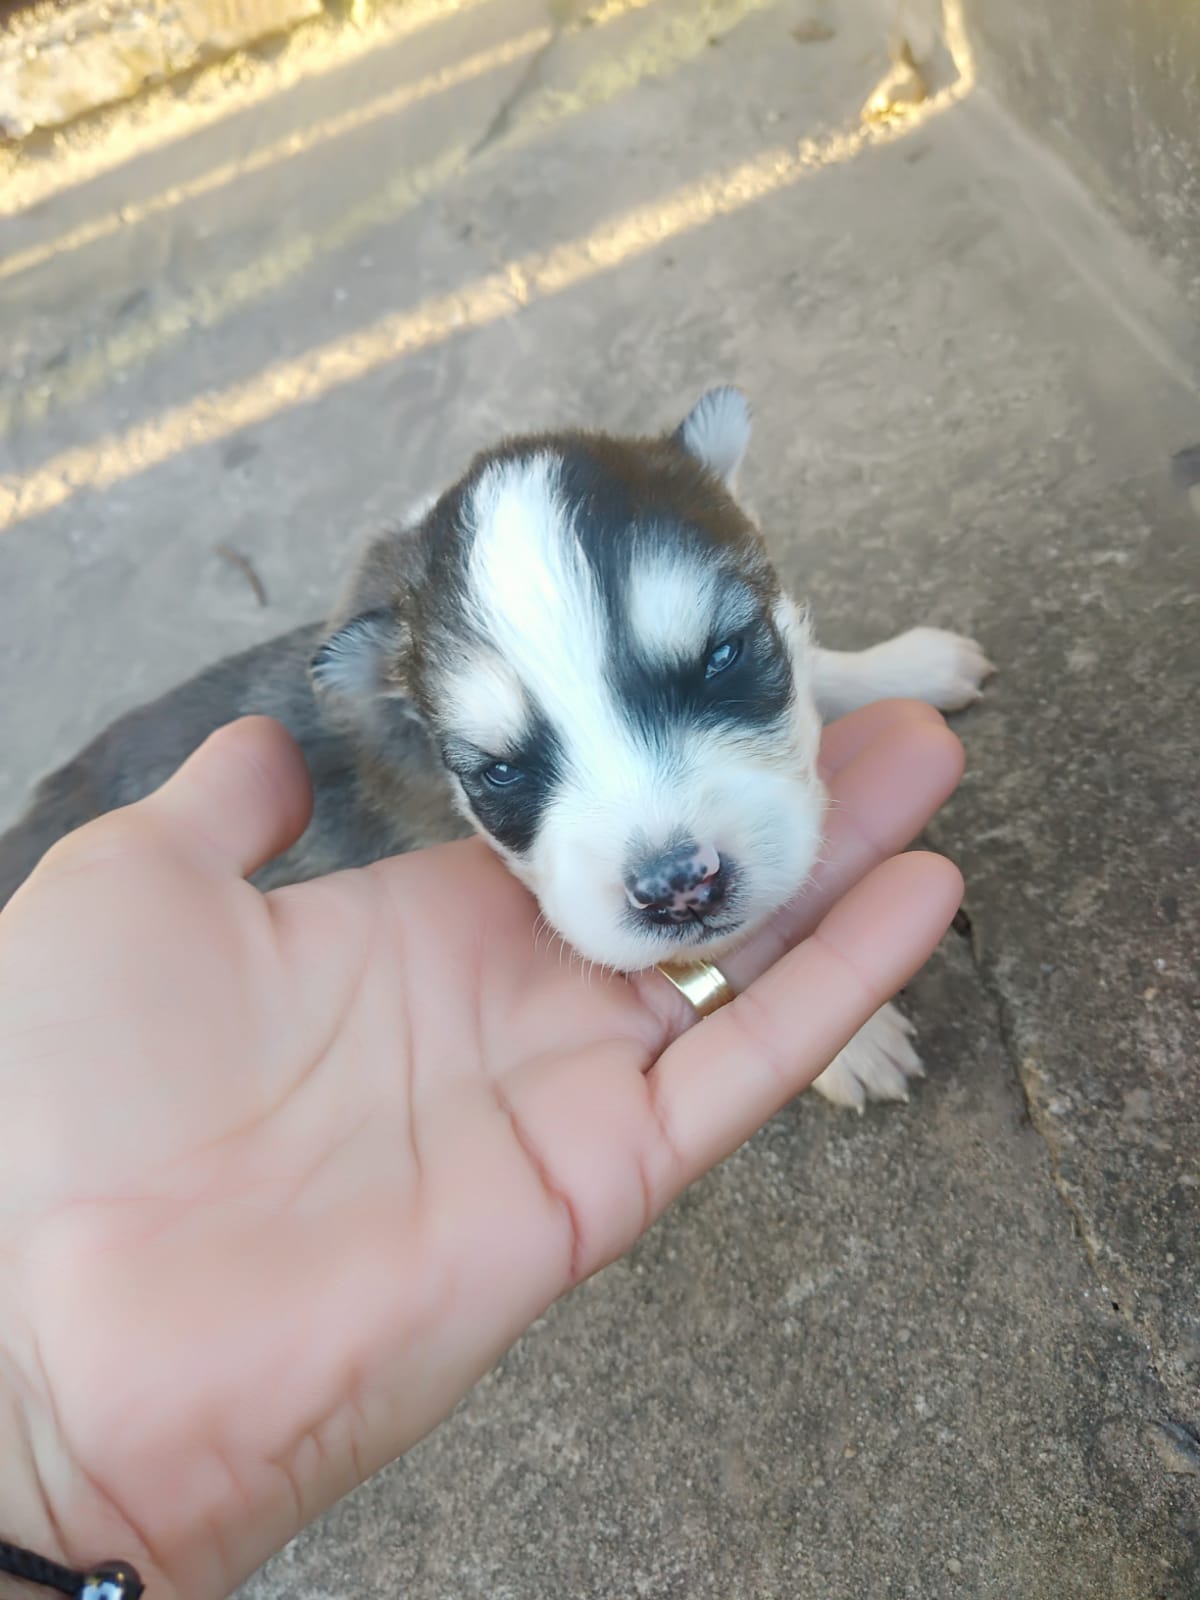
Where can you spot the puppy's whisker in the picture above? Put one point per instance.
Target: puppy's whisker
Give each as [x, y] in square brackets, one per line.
[543, 933]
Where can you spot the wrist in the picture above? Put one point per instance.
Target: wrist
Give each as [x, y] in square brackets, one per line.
[27, 1517]
[47, 1505]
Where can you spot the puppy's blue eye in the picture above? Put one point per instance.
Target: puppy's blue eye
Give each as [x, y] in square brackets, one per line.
[501, 774]
[722, 658]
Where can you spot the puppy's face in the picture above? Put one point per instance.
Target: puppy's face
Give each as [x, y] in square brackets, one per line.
[617, 685]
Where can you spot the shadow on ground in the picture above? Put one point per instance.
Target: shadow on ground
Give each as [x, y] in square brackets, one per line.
[951, 1349]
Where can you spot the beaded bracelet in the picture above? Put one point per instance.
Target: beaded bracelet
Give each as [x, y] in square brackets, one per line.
[111, 1580]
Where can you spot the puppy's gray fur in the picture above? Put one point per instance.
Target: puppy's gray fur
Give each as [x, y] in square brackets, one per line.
[372, 747]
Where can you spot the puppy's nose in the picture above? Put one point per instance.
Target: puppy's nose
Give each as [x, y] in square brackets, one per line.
[684, 883]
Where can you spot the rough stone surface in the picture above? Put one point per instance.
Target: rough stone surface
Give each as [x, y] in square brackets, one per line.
[951, 1349]
[1114, 87]
[74, 59]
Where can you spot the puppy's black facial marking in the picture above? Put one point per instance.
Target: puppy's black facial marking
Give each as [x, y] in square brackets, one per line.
[751, 687]
[510, 810]
[752, 684]
[629, 512]
[624, 502]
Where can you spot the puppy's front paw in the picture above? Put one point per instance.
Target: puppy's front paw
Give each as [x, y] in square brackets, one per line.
[943, 669]
[875, 1065]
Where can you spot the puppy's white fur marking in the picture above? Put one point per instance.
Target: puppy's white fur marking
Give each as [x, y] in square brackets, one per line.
[671, 600]
[943, 669]
[876, 1065]
[533, 596]
[487, 704]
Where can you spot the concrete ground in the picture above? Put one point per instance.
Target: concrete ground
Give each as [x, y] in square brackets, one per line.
[950, 1349]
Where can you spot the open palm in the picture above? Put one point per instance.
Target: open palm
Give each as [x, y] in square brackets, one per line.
[285, 1174]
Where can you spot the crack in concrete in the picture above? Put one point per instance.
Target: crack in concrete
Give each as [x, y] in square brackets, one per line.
[1028, 1080]
[501, 120]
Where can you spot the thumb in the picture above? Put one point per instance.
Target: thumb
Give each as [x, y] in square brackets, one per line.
[242, 798]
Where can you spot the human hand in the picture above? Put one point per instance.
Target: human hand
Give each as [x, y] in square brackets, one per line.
[283, 1175]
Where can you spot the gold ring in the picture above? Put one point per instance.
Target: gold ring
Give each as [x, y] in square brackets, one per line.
[703, 985]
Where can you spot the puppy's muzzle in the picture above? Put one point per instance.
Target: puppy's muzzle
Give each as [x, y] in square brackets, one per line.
[686, 883]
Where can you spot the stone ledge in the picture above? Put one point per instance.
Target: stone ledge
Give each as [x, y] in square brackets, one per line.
[58, 64]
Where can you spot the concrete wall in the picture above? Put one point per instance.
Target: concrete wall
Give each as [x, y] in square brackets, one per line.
[1113, 87]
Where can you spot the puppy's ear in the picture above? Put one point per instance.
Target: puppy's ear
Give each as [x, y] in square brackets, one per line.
[716, 431]
[360, 661]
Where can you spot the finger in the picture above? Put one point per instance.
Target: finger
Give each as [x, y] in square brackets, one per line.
[242, 798]
[846, 738]
[719, 1082]
[879, 802]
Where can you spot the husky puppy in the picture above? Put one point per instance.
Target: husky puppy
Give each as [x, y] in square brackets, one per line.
[581, 651]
